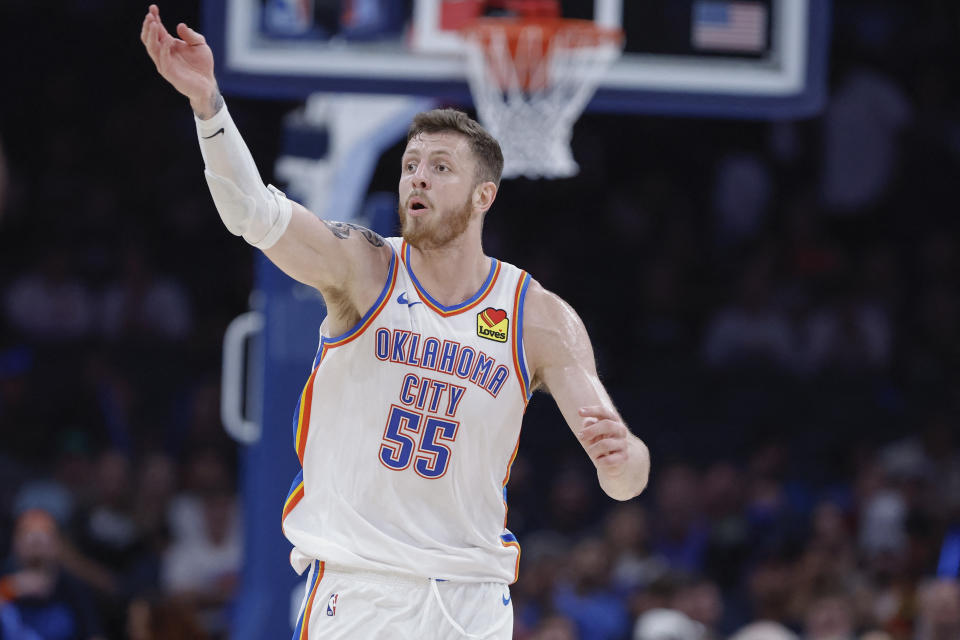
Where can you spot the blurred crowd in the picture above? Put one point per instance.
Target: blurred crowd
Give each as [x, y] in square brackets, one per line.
[775, 307]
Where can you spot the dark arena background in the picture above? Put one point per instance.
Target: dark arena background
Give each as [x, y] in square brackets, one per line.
[772, 290]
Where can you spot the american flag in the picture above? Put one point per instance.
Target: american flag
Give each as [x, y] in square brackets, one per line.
[730, 26]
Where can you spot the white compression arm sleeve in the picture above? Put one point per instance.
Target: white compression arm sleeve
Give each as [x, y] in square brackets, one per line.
[248, 208]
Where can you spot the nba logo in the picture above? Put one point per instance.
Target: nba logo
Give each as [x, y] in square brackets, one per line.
[332, 604]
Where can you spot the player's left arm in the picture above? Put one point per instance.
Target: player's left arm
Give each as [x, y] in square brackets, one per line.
[561, 359]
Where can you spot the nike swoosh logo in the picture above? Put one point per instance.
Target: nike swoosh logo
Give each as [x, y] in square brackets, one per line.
[402, 299]
[506, 600]
[214, 134]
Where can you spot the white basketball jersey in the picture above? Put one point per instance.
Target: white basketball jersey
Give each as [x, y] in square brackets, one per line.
[406, 430]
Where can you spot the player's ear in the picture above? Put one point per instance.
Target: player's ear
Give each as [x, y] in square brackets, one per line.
[483, 196]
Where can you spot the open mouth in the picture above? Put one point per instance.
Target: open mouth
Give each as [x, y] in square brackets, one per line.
[417, 204]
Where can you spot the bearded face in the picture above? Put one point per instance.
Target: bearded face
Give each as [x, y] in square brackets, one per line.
[438, 187]
[434, 229]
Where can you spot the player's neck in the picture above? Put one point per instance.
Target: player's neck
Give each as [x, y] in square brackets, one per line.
[453, 273]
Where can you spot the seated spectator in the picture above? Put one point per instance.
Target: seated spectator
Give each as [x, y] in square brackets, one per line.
[155, 486]
[939, 617]
[143, 304]
[771, 588]
[764, 630]
[107, 530]
[586, 596]
[847, 335]
[205, 472]
[667, 624]
[543, 558]
[860, 142]
[160, 619]
[829, 567]
[752, 331]
[700, 600]
[203, 567]
[627, 535]
[724, 491]
[680, 534]
[49, 302]
[660, 316]
[932, 348]
[49, 600]
[556, 627]
[829, 617]
[742, 191]
[571, 506]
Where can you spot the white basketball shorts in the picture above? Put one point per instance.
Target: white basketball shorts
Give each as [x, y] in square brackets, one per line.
[341, 604]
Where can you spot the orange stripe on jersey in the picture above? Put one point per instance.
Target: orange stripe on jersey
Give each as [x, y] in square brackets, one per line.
[503, 488]
[306, 402]
[519, 362]
[516, 565]
[295, 497]
[304, 630]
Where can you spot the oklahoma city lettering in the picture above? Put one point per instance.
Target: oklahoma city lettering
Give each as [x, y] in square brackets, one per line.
[444, 356]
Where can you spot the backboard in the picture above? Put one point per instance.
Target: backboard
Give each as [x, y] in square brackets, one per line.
[739, 58]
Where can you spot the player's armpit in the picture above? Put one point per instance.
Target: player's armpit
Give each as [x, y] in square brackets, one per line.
[333, 256]
[561, 357]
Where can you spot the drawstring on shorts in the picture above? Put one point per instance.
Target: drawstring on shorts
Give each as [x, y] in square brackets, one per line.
[453, 623]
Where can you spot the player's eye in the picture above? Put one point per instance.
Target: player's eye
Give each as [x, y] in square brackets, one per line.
[410, 167]
[442, 167]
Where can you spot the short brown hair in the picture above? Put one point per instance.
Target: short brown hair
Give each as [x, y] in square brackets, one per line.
[484, 146]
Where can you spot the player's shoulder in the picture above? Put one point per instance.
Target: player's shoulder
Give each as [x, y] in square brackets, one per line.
[548, 316]
[540, 300]
[553, 333]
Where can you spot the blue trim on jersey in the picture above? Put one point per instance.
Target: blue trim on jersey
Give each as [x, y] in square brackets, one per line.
[456, 307]
[314, 569]
[296, 413]
[352, 330]
[518, 328]
[508, 538]
[293, 486]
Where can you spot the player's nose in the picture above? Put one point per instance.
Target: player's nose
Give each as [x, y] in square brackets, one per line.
[420, 179]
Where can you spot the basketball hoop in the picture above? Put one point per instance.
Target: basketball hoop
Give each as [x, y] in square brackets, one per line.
[531, 78]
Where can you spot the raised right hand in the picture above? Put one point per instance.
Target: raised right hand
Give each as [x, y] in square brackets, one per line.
[185, 62]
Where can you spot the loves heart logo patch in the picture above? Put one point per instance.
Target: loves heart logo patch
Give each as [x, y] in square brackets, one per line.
[493, 324]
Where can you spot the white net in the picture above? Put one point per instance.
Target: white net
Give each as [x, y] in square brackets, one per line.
[529, 96]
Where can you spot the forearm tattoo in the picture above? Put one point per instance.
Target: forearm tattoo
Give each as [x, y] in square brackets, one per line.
[216, 101]
[342, 231]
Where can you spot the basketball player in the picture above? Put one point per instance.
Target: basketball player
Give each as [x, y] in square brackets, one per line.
[410, 419]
